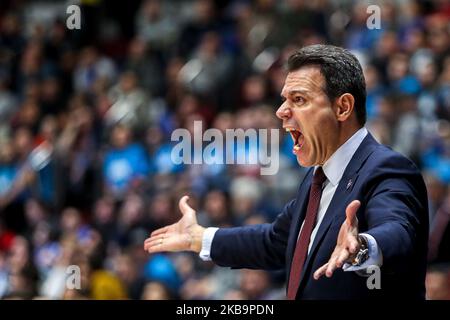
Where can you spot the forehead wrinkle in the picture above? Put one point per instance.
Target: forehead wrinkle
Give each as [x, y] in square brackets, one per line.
[301, 82]
[301, 91]
[294, 91]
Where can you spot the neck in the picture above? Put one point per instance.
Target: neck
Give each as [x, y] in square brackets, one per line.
[345, 133]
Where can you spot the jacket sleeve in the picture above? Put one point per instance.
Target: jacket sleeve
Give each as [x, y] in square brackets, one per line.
[397, 213]
[254, 247]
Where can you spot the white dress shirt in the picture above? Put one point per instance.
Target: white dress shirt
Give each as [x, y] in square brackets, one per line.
[334, 169]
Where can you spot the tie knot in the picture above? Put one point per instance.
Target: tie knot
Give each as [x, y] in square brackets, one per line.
[319, 176]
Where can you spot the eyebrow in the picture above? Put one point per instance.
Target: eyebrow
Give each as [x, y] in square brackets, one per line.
[292, 92]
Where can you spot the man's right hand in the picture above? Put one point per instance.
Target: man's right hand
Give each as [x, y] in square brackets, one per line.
[185, 235]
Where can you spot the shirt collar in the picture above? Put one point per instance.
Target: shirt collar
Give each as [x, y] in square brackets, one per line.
[335, 166]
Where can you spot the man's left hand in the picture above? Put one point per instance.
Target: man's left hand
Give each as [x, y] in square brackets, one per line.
[347, 243]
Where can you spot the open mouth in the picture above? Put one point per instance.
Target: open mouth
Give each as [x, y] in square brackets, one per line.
[297, 138]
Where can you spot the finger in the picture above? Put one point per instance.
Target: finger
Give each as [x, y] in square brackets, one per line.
[170, 244]
[343, 256]
[159, 231]
[155, 243]
[156, 249]
[353, 246]
[148, 243]
[350, 212]
[184, 207]
[331, 267]
[152, 239]
[147, 240]
[321, 271]
[157, 239]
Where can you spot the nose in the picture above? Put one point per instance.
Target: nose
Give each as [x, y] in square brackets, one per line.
[283, 112]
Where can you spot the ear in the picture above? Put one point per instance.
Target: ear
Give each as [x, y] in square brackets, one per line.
[345, 104]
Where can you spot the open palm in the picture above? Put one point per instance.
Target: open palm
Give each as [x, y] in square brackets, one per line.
[347, 243]
[184, 235]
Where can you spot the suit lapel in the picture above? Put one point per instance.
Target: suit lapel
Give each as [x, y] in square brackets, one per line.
[339, 200]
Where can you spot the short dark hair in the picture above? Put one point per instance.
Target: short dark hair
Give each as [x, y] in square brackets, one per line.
[341, 70]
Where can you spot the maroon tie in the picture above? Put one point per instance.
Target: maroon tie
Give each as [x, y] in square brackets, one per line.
[301, 249]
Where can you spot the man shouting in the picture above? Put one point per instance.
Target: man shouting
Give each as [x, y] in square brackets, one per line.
[361, 204]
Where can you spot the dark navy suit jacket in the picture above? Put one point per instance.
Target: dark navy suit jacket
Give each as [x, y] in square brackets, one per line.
[394, 210]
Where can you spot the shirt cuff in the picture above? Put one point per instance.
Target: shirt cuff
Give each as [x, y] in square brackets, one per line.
[375, 256]
[208, 236]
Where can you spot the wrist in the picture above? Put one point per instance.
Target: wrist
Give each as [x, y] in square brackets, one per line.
[197, 238]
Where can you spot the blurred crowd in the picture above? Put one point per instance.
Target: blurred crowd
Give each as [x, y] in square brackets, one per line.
[86, 118]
